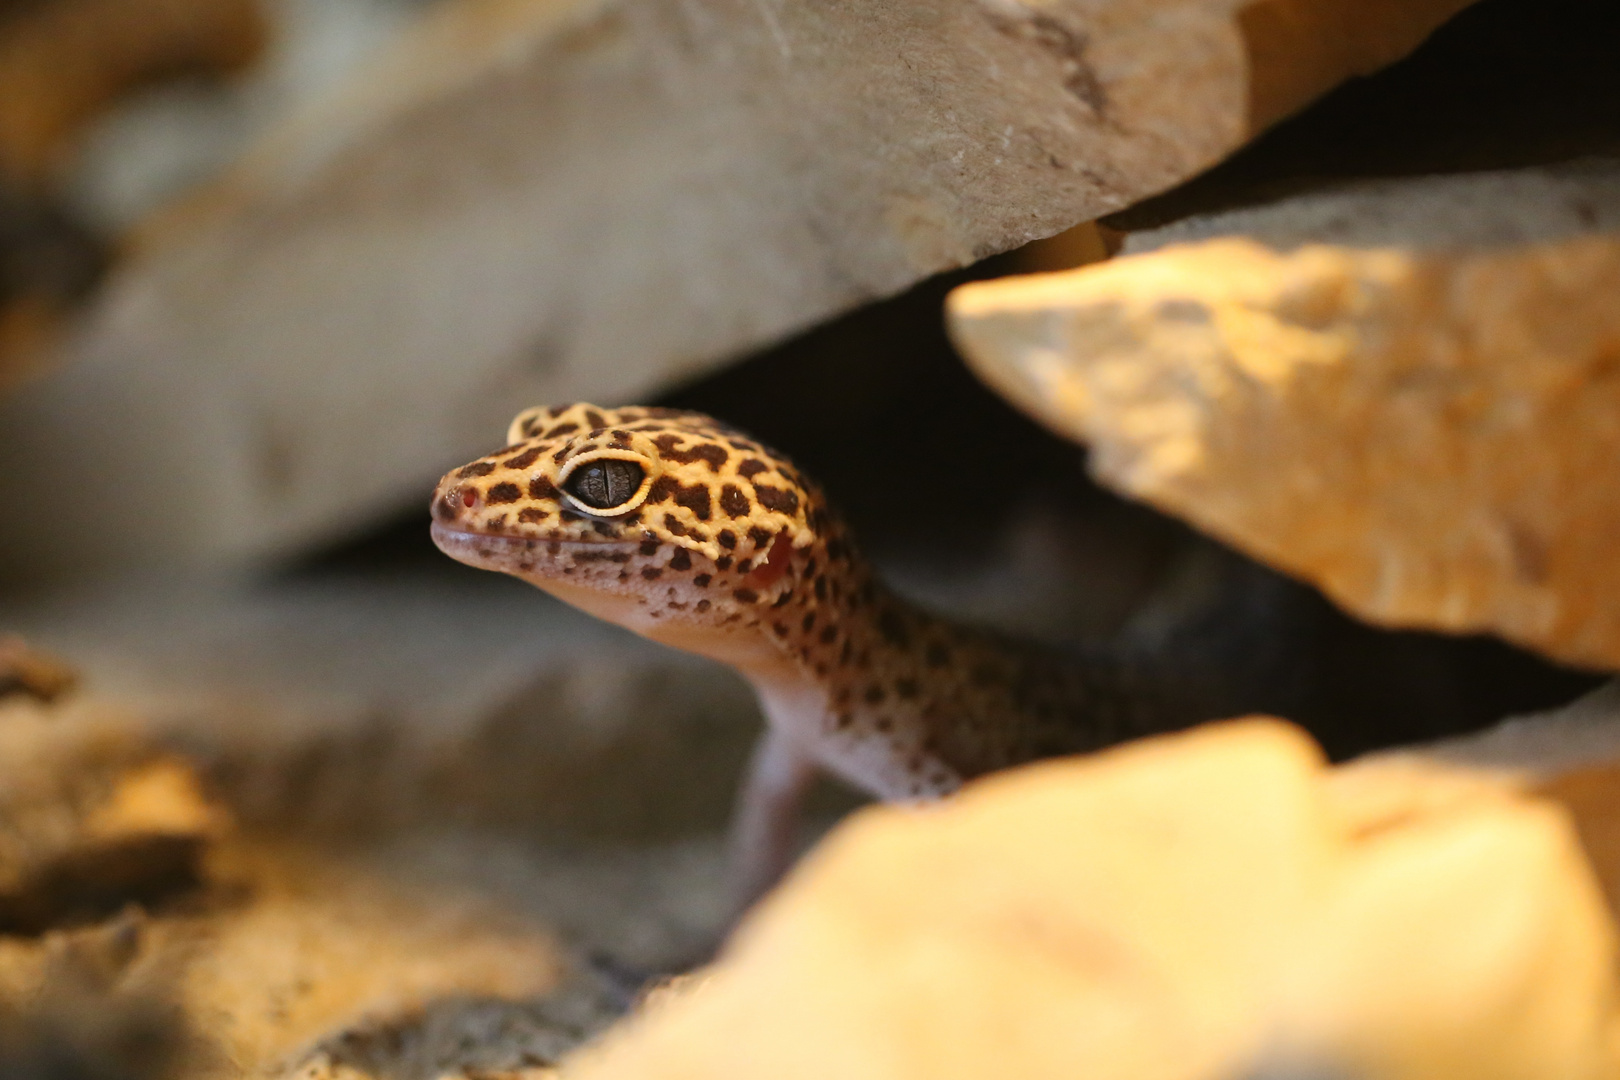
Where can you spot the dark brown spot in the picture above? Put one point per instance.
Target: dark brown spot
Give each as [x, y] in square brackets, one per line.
[780, 628]
[744, 566]
[649, 546]
[745, 596]
[727, 538]
[681, 560]
[723, 562]
[652, 573]
[703, 605]
[829, 634]
[734, 502]
[893, 628]
[504, 493]
[809, 623]
[594, 418]
[561, 430]
[752, 468]
[937, 655]
[542, 488]
[477, 468]
[710, 453]
[760, 536]
[874, 695]
[783, 502]
[821, 588]
[907, 689]
[702, 581]
[621, 439]
[673, 524]
[695, 497]
[523, 460]
[884, 724]
[532, 515]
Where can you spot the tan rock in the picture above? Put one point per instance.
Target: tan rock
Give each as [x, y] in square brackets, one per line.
[1213, 904]
[1570, 755]
[92, 819]
[531, 200]
[1421, 417]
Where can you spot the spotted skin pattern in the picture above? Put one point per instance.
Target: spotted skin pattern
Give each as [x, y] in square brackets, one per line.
[725, 549]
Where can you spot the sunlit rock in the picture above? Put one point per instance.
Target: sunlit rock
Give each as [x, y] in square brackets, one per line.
[1404, 393]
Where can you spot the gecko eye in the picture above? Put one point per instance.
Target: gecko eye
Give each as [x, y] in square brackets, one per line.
[605, 484]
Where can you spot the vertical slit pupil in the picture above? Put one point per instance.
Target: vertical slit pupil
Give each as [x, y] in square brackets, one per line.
[605, 484]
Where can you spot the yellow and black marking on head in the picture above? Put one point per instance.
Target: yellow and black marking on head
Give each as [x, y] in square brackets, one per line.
[692, 518]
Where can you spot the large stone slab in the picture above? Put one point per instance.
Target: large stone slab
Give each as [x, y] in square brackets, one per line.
[1403, 392]
[1197, 907]
[532, 200]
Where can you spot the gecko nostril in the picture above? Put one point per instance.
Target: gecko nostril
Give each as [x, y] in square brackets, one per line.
[469, 497]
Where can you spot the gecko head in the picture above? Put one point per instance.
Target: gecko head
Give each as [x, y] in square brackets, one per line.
[647, 517]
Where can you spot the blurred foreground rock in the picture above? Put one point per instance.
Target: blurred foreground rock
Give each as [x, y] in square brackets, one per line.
[451, 860]
[1405, 392]
[140, 936]
[540, 201]
[1211, 905]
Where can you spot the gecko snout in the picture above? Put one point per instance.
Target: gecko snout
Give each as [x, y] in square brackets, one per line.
[457, 501]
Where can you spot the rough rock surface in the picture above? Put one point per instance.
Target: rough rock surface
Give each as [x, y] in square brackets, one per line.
[141, 936]
[1404, 393]
[353, 706]
[1213, 904]
[531, 200]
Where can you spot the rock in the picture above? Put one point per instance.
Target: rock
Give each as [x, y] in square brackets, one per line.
[345, 931]
[1571, 755]
[1207, 905]
[353, 706]
[64, 61]
[93, 821]
[28, 671]
[1402, 392]
[534, 201]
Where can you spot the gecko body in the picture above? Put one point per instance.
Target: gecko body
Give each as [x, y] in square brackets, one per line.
[693, 534]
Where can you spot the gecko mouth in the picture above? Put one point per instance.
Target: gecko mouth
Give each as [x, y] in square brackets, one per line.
[489, 550]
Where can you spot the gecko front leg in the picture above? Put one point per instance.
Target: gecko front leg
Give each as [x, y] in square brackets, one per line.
[765, 827]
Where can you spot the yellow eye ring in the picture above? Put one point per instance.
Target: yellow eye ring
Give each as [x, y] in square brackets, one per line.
[606, 483]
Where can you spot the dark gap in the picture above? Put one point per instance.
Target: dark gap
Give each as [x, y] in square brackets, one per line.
[1505, 84]
[90, 885]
